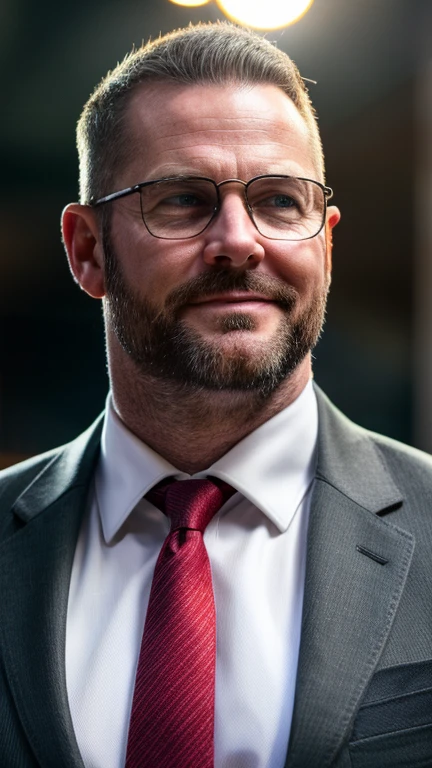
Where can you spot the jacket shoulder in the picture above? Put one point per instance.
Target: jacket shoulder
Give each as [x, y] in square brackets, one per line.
[36, 483]
[374, 470]
[17, 477]
[407, 464]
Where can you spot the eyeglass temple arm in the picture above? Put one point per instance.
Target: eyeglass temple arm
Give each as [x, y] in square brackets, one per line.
[114, 195]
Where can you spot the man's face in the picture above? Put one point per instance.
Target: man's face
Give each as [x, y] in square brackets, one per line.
[229, 308]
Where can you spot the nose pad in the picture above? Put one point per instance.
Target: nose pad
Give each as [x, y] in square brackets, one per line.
[232, 238]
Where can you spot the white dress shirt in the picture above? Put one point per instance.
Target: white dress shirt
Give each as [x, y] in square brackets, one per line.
[257, 549]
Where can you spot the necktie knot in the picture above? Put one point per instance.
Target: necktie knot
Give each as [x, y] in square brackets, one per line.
[190, 503]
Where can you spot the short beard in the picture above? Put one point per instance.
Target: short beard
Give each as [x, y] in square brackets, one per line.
[162, 345]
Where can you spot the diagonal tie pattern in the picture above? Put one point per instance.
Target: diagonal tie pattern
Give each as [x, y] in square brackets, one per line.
[172, 720]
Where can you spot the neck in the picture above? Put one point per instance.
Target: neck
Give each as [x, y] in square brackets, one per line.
[190, 427]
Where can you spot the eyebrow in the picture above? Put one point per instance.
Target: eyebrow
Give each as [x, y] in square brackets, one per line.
[176, 173]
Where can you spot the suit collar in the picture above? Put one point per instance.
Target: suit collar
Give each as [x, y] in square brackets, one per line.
[67, 468]
[35, 569]
[350, 599]
[350, 461]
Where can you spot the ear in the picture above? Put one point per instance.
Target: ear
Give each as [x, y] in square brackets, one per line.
[332, 218]
[82, 240]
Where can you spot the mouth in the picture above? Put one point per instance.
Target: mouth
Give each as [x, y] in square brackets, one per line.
[224, 291]
[233, 297]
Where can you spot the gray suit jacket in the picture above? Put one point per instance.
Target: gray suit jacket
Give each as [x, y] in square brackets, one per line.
[364, 686]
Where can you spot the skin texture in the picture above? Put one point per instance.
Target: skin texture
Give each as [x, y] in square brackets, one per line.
[244, 318]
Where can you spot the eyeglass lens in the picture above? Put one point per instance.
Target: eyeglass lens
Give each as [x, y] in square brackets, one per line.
[282, 208]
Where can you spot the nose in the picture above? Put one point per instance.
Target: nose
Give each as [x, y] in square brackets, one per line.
[232, 239]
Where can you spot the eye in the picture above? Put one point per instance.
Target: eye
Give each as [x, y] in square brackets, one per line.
[276, 195]
[281, 201]
[276, 202]
[184, 200]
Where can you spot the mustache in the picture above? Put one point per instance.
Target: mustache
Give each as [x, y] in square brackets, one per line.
[211, 283]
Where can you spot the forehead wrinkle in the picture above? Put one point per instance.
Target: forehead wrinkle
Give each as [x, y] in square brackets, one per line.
[222, 137]
[280, 125]
[237, 139]
[252, 116]
[184, 125]
[191, 147]
[265, 147]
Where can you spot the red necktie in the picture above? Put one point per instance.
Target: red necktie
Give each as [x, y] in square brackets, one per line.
[172, 721]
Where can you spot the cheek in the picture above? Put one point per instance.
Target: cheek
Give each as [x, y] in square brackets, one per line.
[303, 265]
[153, 266]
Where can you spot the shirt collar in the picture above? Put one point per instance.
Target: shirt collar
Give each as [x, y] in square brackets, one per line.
[273, 466]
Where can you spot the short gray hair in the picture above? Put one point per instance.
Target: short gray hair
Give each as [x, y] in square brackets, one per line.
[213, 53]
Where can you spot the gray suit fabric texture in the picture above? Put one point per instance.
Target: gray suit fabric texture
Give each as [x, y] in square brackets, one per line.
[364, 683]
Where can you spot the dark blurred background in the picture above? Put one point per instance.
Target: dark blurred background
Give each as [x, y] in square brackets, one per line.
[372, 61]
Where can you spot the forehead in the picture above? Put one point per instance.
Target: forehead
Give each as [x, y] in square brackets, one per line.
[212, 129]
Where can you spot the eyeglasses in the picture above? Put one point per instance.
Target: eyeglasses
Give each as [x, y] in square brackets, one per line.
[281, 207]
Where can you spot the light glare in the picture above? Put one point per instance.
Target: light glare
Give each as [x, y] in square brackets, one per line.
[190, 3]
[265, 14]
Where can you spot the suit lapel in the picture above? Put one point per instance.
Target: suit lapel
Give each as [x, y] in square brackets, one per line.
[357, 564]
[35, 569]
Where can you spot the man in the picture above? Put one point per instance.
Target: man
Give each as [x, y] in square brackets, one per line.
[204, 227]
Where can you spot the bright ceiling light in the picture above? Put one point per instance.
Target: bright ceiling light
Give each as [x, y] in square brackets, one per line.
[190, 3]
[265, 14]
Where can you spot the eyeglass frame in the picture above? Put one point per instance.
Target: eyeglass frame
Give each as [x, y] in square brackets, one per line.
[327, 194]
